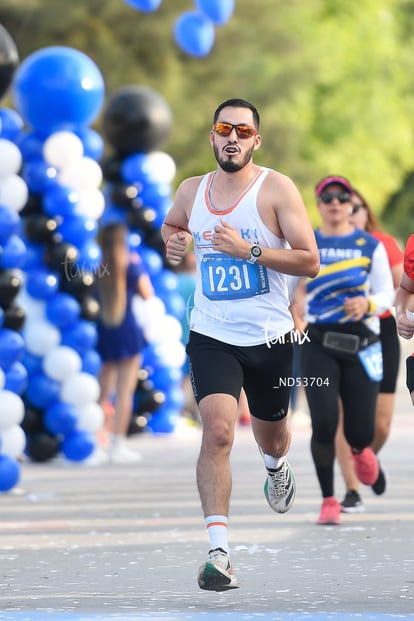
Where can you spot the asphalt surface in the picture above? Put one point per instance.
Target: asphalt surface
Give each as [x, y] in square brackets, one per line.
[124, 542]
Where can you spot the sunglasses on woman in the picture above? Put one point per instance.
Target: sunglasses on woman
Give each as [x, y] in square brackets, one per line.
[357, 207]
[328, 197]
[242, 131]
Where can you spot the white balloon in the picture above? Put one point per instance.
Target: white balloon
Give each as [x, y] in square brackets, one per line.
[161, 167]
[172, 354]
[13, 192]
[11, 409]
[2, 379]
[91, 417]
[147, 311]
[35, 309]
[84, 173]
[61, 362]
[80, 389]
[41, 336]
[62, 148]
[12, 441]
[10, 158]
[167, 329]
[91, 203]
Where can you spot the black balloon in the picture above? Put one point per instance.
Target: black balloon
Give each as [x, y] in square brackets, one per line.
[14, 317]
[148, 401]
[136, 120]
[40, 228]
[61, 257]
[154, 240]
[111, 169]
[10, 282]
[42, 446]
[9, 59]
[33, 420]
[142, 218]
[90, 308]
[34, 206]
[80, 284]
[123, 195]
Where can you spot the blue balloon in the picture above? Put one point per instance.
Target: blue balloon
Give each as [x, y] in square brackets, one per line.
[16, 378]
[90, 256]
[42, 391]
[12, 347]
[194, 33]
[9, 472]
[165, 282]
[93, 143]
[14, 253]
[77, 230]
[11, 124]
[174, 397]
[134, 168]
[63, 310]
[144, 5]
[81, 337]
[155, 195]
[9, 223]
[34, 256]
[41, 284]
[78, 445]
[152, 261]
[174, 304]
[164, 420]
[61, 418]
[112, 215]
[60, 201]
[163, 377]
[39, 176]
[33, 364]
[91, 362]
[30, 144]
[219, 11]
[58, 88]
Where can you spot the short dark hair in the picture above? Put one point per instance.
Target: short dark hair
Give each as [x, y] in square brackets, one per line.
[238, 103]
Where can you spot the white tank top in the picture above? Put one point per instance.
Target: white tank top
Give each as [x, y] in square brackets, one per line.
[235, 301]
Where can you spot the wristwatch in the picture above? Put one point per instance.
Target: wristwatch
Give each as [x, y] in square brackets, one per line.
[255, 253]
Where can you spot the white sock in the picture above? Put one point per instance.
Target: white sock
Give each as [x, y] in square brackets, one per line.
[273, 463]
[217, 532]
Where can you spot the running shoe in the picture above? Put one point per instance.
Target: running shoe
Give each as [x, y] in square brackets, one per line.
[380, 484]
[352, 502]
[217, 573]
[280, 488]
[330, 511]
[119, 453]
[366, 466]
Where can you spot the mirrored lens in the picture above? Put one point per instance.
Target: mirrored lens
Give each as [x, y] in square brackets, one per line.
[242, 131]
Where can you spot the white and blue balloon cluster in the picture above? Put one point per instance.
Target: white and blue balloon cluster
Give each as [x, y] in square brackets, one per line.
[195, 30]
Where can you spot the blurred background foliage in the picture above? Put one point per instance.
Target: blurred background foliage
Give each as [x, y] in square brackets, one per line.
[333, 81]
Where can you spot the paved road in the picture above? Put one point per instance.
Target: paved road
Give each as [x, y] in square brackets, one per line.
[124, 543]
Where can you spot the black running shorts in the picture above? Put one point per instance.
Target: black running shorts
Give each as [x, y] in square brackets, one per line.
[264, 372]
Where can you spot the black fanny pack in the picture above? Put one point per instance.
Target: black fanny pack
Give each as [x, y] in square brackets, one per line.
[340, 342]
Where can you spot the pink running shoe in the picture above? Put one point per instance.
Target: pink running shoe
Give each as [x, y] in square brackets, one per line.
[366, 466]
[330, 511]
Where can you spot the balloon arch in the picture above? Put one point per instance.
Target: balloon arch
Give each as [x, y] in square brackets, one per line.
[56, 189]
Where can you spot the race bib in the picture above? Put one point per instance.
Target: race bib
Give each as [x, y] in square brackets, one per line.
[371, 358]
[231, 278]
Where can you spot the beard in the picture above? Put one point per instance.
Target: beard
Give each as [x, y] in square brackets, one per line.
[229, 164]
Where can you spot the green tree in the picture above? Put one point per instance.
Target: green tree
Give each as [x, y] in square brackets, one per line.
[333, 80]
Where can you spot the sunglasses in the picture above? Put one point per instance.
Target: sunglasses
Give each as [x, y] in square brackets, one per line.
[357, 208]
[242, 131]
[328, 197]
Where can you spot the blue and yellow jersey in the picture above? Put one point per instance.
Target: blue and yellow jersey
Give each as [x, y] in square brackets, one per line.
[346, 263]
